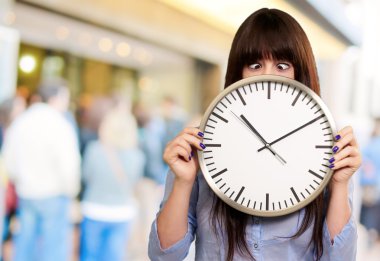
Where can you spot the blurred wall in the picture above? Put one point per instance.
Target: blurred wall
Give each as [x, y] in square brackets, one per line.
[9, 42]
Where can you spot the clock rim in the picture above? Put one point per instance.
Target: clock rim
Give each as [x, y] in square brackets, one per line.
[205, 172]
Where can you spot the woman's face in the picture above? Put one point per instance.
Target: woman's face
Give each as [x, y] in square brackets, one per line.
[269, 66]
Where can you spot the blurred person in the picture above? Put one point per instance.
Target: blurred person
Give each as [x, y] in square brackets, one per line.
[370, 183]
[151, 133]
[70, 117]
[156, 129]
[151, 130]
[112, 165]
[42, 158]
[174, 118]
[90, 113]
[6, 199]
[9, 110]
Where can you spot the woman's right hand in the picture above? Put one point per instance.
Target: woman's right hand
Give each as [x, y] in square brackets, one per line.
[180, 154]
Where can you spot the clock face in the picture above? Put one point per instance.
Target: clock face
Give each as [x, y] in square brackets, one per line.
[268, 141]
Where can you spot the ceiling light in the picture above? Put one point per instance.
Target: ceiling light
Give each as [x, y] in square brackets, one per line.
[123, 49]
[27, 63]
[62, 33]
[105, 45]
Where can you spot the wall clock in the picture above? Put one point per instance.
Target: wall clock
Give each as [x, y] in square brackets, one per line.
[268, 143]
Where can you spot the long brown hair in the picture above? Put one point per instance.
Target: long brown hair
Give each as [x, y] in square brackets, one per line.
[274, 34]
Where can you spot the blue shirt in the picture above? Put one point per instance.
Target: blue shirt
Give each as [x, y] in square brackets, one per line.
[371, 155]
[267, 238]
[101, 184]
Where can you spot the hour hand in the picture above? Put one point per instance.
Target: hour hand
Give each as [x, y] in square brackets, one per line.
[293, 131]
[244, 120]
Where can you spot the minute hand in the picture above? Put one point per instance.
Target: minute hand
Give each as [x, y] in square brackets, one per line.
[253, 129]
[293, 131]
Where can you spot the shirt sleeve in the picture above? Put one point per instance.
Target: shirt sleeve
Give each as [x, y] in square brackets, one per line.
[180, 249]
[69, 161]
[345, 243]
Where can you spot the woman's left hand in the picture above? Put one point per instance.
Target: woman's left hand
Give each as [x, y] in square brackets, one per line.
[346, 158]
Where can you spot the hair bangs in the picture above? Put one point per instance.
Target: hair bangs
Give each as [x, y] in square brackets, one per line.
[270, 39]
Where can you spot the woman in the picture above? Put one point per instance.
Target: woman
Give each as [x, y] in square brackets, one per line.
[268, 42]
[112, 166]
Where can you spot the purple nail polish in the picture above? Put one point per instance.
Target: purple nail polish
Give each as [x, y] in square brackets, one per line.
[189, 157]
[337, 137]
[200, 134]
[335, 149]
[202, 145]
[332, 160]
[331, 166]
[192, 154]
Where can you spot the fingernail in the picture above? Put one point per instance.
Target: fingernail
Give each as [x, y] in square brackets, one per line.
[202, 145]
[189, 157]
[337, 137]
[200, 134]
[192, 154]
[335, 149]
[332, 160]
[331, 166]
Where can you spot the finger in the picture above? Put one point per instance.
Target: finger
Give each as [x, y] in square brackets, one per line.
[182, 142]
[194, 141]
[193, 131]
[183, 153]
[348, 151]
[351, 162]
[188, 141]
[343, 142]
[344, 132]
[175, 152]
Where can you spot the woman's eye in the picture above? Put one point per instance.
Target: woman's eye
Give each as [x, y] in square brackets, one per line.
[283, 66]
[255, 66]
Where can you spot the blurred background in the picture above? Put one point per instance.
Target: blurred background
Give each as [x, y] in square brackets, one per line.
[157, 64]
